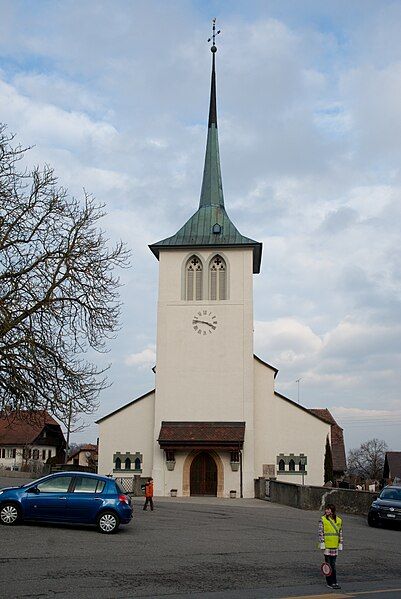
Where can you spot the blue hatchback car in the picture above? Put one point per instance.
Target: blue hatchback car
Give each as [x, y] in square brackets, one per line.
[74, 497]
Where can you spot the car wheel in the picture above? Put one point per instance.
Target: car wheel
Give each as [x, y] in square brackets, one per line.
[108, 522]
[9, 514]
[373, 520]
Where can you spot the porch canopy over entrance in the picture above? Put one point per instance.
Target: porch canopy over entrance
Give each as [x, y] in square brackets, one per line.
[178, 436]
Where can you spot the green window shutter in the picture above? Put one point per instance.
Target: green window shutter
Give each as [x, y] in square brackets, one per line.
[222, 284]
[213, 284]
[198, 284]
[190, 285]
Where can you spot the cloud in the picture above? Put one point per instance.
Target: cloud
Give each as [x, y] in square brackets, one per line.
[286, 339]
[309, 124]
[144, 359]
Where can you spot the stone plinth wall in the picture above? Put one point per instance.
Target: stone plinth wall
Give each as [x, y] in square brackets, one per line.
[17, 474]
[347, 501]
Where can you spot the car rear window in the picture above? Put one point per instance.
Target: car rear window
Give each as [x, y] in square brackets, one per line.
[120, 488]
[84, 484]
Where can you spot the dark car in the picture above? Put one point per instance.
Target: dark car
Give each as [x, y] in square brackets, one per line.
[387, 507]
[74, 497]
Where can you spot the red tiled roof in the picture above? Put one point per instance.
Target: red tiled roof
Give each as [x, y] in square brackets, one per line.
[201, 434]
[86, 447]
[23, 427]
[337, 439]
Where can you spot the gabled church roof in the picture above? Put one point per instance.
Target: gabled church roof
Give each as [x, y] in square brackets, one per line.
[211, 226]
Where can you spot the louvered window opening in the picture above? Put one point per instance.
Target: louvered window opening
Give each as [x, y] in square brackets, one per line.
[194, 277]
[218, 279]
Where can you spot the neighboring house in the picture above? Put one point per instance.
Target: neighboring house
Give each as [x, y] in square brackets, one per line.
[85, 456]
[29, 439]
[337, 442]
[392, 465]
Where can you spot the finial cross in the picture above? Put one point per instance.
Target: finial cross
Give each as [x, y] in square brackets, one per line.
[214, 32]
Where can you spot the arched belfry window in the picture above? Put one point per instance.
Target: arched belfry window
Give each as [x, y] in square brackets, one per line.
[218, 279]
[193, 279]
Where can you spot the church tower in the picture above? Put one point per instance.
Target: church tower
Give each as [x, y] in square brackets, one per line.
[214, 422]
[204, 398]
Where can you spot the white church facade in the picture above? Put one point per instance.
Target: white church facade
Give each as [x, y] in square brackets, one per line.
[214, 422]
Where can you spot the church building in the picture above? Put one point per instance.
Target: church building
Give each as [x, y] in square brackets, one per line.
[214, 422]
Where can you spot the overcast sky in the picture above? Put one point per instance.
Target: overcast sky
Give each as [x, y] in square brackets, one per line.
[114, 94]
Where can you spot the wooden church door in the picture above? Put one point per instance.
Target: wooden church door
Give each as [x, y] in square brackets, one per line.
[203, 475]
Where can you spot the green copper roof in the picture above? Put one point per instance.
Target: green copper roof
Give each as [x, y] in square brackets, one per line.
[211, 225]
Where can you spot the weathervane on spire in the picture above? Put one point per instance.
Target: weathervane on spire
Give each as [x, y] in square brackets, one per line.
[213, 38]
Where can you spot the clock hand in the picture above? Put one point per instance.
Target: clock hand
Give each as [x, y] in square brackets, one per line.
[209, 324]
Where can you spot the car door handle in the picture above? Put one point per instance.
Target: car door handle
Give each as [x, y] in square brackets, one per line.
[61, 498]
[98, 499]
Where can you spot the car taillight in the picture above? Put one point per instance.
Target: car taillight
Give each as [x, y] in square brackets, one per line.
[123, 499]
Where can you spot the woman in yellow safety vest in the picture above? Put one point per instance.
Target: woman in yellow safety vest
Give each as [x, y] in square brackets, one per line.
[331, 541]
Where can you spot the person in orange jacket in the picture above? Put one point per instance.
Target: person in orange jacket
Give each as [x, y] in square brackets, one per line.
[149, 494]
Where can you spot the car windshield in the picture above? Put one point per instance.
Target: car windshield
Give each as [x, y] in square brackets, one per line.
[391, 494]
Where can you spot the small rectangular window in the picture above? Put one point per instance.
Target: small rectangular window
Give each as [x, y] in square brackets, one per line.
[43, 454]
[84, 484]
[49, 453]
[100, 486]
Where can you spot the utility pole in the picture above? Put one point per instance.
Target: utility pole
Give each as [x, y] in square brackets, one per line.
[68, 431]
[298, 381]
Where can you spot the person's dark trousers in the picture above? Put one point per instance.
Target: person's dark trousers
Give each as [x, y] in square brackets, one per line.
[331, 559]
[148, 500]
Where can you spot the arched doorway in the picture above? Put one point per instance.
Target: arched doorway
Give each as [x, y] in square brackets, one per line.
[203, 475]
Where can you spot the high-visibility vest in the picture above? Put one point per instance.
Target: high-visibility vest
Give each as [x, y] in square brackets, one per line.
[331, 531]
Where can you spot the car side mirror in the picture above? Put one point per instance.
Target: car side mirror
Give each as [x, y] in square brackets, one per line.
[34, 490]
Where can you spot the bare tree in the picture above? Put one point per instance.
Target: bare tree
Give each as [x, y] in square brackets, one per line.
[58, 291]
[368, 460]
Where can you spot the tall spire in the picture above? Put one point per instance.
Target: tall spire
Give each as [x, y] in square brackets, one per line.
[212, 186]
[210, 226]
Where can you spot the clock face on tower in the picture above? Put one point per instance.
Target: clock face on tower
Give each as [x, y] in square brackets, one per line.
[204, 322]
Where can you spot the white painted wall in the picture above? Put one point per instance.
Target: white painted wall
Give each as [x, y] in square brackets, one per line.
[205, 378]
[283, 427]
[18, 461]
[130, 429]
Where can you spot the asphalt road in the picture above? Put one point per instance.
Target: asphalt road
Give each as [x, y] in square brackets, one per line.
[207, 548]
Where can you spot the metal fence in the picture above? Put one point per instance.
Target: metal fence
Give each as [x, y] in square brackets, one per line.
[132, 485]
